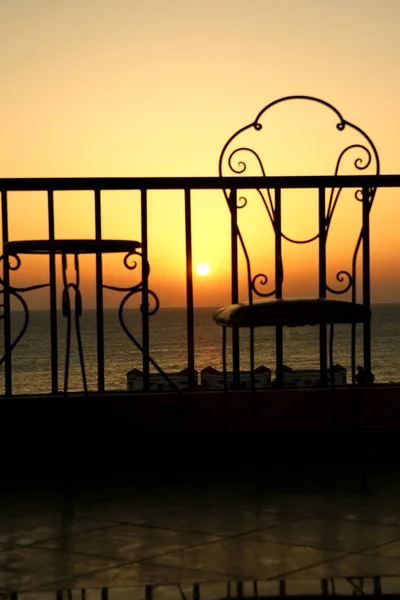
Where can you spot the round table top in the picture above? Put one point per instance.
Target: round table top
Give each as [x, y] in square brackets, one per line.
[76, 246]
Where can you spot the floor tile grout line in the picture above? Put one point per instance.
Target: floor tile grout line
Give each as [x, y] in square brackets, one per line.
[218, 539]
[162, 512]
[221, 539]
[329, 560]
[134, 561]
[366, 550]
[69, 552]
[357, 521]
[175, 511]
[295, 516]
[332, 518]
[78, 577]
[103, 556]
[195, 570]
[221, 536]
[227, 537]
[163, 528]
[35, 544]
[326, 548]
[144, 560]
[237, 576]
[312, 566]
[199, 531]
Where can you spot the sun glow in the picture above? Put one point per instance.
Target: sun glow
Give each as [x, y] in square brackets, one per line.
[203, 269]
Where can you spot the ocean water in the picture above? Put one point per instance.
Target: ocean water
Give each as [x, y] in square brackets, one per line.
[31, 358]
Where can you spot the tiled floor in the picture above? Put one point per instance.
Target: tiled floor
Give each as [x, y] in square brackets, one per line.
[119, 535]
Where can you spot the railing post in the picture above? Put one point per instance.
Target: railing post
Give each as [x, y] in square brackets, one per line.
[234, 285]
[7, 305]
[278, 285]
[145, 291]
[322, 283]
[99, 295]
[189, 291]
[366, 281]
[53, 297]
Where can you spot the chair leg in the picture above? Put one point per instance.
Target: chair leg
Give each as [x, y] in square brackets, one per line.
[256, 434]
[359, 449]
[226, 404]
[333, 387]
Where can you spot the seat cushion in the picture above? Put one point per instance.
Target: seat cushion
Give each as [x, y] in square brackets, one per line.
[304, 311]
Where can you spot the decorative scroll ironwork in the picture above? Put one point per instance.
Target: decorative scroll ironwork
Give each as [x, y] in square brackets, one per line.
[15, 292]
[262, 279]
[74, 287]
[15, 267]
[238, 159]
[340, 276]
[21, 334]
[131, 292]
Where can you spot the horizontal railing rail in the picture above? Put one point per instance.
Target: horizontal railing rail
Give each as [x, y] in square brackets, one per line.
[196, 183]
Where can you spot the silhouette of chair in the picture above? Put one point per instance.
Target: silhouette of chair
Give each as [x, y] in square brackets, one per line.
[257, 145]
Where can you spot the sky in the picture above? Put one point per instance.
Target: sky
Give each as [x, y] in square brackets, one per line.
[155, 88]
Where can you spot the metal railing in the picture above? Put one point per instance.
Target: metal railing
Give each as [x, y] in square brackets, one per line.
[275, 185]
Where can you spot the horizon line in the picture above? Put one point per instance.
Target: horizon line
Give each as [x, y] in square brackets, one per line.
[93, 308]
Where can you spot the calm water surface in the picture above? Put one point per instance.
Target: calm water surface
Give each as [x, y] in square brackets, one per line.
[31, 358]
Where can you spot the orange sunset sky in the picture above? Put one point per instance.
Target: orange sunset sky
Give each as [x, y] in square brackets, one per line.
[155, 88]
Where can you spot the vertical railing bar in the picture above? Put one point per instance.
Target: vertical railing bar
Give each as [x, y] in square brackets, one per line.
[99, 295]
[366, 282]
[53, 297]
[278, 285]
[189, 291]
[7, 304]
[145, 291]
[234, 286]
[196, 591]
[104, 593]
[323, 356]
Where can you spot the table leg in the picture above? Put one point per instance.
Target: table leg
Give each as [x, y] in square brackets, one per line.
[66, 310]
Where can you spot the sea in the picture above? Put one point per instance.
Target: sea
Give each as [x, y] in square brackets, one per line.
[31, 364]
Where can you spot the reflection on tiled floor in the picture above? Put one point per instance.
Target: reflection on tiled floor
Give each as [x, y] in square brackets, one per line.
[200, 532]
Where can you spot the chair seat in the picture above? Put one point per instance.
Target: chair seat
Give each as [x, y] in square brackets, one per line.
[292, 313]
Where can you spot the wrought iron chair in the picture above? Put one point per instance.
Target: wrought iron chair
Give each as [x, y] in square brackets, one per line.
[237, 157]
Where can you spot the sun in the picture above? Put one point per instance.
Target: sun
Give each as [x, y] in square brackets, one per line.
[203, 269]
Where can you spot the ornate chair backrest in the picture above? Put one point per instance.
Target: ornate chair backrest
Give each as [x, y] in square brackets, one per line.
[253, 149]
